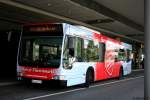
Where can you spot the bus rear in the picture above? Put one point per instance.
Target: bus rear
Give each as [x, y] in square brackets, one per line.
[40, 52]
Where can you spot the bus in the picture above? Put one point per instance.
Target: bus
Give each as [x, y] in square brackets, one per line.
[70, 55]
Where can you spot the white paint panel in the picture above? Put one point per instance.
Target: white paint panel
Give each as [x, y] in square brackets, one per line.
[76, 75]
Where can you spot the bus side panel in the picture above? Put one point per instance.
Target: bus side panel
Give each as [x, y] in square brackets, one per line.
[100, 71]
[77, 74]
[116, 71]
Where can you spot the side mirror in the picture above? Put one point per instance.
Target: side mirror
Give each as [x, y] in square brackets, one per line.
[71, 43]
[71, 52]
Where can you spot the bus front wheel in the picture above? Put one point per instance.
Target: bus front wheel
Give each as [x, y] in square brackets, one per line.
[89, 78]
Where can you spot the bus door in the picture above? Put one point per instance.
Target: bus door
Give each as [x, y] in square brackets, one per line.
[73, 64]
[111, 66]
[126, 58]
[100, 65]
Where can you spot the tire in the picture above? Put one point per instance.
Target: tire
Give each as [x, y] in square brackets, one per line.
[89, 78]
[121, 76]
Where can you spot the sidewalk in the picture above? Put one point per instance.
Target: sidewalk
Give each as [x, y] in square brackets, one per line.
[8, 81]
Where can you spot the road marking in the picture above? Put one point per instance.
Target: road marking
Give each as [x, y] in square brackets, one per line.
[48, 95]
[58, 93]
[116, 81]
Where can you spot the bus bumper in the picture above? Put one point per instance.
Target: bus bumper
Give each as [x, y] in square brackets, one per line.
[38, 81]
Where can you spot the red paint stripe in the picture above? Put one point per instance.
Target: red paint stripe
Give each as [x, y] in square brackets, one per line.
[38, 73]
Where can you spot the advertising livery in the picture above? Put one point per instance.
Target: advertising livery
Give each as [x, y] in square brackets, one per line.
[70, 54]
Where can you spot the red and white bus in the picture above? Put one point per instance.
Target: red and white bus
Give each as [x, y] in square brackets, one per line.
[70, 54]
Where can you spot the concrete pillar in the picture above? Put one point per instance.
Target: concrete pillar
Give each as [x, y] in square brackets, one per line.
[147, 51]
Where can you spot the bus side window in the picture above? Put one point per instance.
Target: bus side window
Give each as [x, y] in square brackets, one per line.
[102, 52]
[128, 55]
[122, 55]
[78, 49]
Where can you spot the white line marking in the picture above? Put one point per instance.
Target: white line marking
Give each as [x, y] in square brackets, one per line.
[58, 93]
[48, 95]
[116, 81]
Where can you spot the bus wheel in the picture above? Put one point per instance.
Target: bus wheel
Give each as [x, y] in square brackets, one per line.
[89, 78]
[121, 74]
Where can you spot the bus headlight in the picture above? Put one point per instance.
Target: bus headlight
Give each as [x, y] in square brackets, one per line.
[19, 74]
[55, 77]
[58, 77]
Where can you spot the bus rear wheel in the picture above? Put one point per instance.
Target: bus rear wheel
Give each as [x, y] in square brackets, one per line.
[121, 74]
[89, 78]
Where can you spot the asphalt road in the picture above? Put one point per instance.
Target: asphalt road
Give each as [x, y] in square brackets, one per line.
[129, 88]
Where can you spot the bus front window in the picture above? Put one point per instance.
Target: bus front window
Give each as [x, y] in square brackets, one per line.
[40, 51]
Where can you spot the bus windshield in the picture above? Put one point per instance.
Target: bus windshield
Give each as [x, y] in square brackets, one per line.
[38, 51]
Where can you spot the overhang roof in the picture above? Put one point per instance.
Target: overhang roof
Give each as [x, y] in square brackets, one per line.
[115, 18]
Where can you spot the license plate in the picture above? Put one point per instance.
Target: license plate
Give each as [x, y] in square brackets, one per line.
[37, 81]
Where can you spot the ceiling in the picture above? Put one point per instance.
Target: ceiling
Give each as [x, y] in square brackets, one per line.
[115, 18]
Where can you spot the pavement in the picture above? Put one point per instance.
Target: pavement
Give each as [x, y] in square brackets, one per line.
[8, 81]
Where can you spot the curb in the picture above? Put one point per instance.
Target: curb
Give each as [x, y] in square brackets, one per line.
[136, 70]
